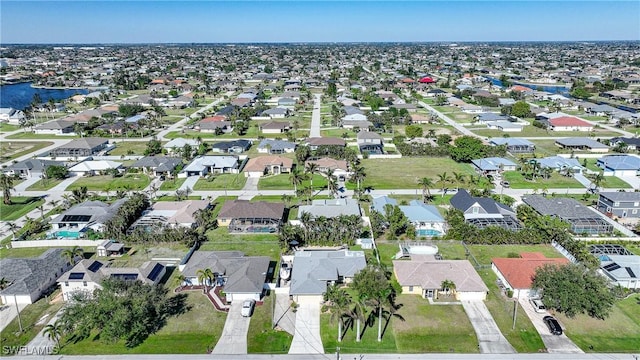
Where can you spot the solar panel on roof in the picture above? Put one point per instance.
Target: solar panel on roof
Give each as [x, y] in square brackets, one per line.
[155, 272]
[630, 272]
[95, 266]
[78, 218]
[612, 267]
[76, 276]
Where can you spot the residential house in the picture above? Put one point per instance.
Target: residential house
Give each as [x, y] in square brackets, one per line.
[30, 278]
[176, 145]
[170, 213]
[514, 145]
[30, 168]
[567, 123]
[356, 125]
[580, 218]
[331, 208]
[425, 218]
[505, 126]
[242, 216]
[517, 273]
[267, 165]
[424, 275]
[618, 264]
[241, 277]
[213, 126]
[87, 274]
[277, 113]
[232, 147]
[211, 164]
[55, 127]
[493, 165]
[632, 144]
[339, 168]
[313, 270]
[12, 116]
[619, 204]
[370, 142]
[80, 148]
[74, 222]
[619, 165]
[287, 103]
[275, 127]
[157, 165]
[95, 167]
[274, 146]
[491, 117]
[483, 212]
[582, 144]
[560, 164]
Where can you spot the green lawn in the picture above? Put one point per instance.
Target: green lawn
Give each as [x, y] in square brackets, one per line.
[30, 316]
[44, 184]
[556, 181]
[338, 132]
[21, 205]
[405, 172]
[103, 182]
[193, 332]
[282, 182]
[30, 135]
[173, 184]
[618, 333]
[262, 338]
[222, 182]
[129, 148]
[21, 252]
[484, 253]
[613, 182]
[249, 244]
[11, 150]
[4, 127]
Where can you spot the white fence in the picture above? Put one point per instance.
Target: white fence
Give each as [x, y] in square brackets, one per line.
[54, 243]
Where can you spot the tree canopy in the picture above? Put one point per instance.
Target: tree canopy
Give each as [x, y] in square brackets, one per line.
[521, 109]
[467, 148]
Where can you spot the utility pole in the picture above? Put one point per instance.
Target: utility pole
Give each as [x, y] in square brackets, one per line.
[515, 313]
[15, 301]
[338, 353]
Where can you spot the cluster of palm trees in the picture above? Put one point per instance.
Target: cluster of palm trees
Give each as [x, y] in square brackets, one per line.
[532, 170]
[444, 181]
[298, 177]
[6, 184]
[369, 298]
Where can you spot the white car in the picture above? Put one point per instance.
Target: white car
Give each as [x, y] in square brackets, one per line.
[247, 307]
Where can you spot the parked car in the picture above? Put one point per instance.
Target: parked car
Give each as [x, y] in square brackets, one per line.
[538, 305]
[247, 307]
[553, 325]
[505, 184]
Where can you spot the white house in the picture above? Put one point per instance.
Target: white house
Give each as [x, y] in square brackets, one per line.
[94, 167]
[12, 116]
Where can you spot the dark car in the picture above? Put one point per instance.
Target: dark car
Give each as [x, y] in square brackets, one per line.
[553, 325]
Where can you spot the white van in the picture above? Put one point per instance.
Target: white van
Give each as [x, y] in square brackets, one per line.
[538, 305]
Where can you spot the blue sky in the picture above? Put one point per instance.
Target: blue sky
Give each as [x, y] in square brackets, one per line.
[315, 21]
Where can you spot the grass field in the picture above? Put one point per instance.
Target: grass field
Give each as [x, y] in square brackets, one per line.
[21, 252]
[44, 185]
[250, 245]
[4, 127]
[129, 148]
[282, 182]
[262, 338]
[338, 132]
[103, 182]
[173, 184]
[31, 135]
[222, 182]
[484, 253]
[21, 205]
[193, 332]
[11, 150]
[385, 174]
[556, 181]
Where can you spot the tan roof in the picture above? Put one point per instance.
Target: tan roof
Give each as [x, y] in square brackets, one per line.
[259, 163]
[245, 209]
[329, 163]
[184, 209]
[430, 274]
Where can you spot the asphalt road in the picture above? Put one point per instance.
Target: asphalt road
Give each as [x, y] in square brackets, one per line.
[315, 117]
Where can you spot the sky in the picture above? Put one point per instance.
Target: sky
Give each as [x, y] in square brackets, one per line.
[220, 21]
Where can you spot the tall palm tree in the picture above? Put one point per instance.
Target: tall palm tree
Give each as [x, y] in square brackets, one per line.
[206, 277]
[597, 179]
[71, 254]
[13, 227]
[332, 182]
[338, 300]
[54, 331]
[6, 184]
[358, 175]
[296, 177]
[311, 169]
[54, 203]
[41, 208]
[459, 179]
[80, 194]
[443, 180]
[426, 184]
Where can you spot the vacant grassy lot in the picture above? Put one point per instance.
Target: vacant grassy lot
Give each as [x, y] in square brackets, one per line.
[31, 135]
[193, 332]
[426, 328]
[20, 252]
[339, 133]
[404, 173]
[222, 182]
[11, 150]
[262, 338]
[618, 333]
[484, 253]
[21, 205]
[249, 244]
[108, 182]
[556, 181]
[44, 184]
[129, 148]
[282, 182]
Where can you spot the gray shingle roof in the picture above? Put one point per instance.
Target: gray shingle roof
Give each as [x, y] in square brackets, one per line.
[331, 208]
[159, 163]
[565, 208]
[33, 164]
[29, 274]
[245, 209]
[621, 196]
[581, 141]
[312, 269]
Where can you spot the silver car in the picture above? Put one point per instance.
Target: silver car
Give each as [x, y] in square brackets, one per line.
[247, 307]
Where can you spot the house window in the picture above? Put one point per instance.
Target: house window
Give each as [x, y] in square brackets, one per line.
[84, 283]
[475, 209]
[410, 288]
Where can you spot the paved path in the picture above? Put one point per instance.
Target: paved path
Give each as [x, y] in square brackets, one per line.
[315, 117]
[490, 338]
[582, 180]
[553, 343]
[306, 339]
[8, 313]
[234, 334]
[64, 184]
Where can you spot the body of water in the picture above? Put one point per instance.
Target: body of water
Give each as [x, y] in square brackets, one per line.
[19, 96]
[557, 89]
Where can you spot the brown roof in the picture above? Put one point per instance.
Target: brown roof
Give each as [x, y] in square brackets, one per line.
[519, 271]
[245, 209]
[329, 163]
[429, 274]
[317, 141]
[259, 163]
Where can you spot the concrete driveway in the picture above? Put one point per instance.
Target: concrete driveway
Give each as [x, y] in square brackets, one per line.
[490, 339]
[553, 343]
[234, 334]
[306, 339]
[8, 313]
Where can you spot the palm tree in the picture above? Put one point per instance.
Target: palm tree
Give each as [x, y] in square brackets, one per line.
[448, 286]
[296, 177]
[443, 180]
[54, 203]
[311, 169]
[71, 254]
[54, 332]
[338, 301]
[154, 190]
[206, 277]
[459, 179]
[426, 184]
[358, 175]
[332, 182]
[13, 227]
[6, 183]
[597, 179]
[41, 208]
[80, 194]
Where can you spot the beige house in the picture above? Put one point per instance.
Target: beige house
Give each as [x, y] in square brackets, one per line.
[242, 216]
[267, 165]
[423, 275]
